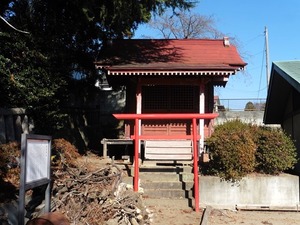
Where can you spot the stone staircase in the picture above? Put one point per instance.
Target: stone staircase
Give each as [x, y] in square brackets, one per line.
[164, 180]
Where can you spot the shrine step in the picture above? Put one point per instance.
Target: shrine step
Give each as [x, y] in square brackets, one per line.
[168, 183]
[168, 193]
[168, 149]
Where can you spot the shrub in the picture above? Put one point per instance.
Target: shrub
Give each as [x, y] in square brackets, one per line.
[276, 151]
[237, 149]
[250, 106]
[232, 150]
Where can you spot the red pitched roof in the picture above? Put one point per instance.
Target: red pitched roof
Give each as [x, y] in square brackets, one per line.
[164, 56]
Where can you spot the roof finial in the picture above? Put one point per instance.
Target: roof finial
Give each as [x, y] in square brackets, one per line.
[226, 41]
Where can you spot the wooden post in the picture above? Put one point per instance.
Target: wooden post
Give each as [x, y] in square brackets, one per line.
[136, 155]
[104, 148]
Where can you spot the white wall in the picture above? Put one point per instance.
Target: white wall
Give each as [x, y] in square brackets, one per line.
[253, 117]
[253, 191]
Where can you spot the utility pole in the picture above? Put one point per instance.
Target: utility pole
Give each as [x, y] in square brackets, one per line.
[267, 55]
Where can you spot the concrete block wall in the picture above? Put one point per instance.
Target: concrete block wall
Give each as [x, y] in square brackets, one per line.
[253, 117]
[263, 191]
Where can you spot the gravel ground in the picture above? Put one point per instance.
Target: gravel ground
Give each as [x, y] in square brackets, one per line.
[221, 217]
[179, 212]
[172, 211]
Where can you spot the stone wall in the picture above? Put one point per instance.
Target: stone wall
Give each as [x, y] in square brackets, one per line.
[13, 122]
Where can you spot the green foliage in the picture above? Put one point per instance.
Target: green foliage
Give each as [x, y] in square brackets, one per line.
[37, 70]
[276, 151]
[28, 81]
[232, 150]
[238, 149]
[25, 76]
[250, 106]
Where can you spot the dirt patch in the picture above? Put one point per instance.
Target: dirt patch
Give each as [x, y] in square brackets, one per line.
[172, 211]
[178, 212]
[222, 217]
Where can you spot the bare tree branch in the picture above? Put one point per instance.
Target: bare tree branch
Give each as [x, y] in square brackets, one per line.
[186, 25]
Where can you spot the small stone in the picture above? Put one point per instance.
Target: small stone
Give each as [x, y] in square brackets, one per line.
[133, 221]
[138, 211]
[139, 217]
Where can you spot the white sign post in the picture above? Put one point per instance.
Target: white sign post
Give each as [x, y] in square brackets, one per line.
[35, 168]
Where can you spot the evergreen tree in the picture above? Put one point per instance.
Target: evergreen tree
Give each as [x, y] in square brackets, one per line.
[37, 70]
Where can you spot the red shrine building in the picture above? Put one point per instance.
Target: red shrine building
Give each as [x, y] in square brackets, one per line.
[164, 76]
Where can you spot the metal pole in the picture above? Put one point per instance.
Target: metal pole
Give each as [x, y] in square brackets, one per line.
[196, 180]
[267, 56]
[136, 156]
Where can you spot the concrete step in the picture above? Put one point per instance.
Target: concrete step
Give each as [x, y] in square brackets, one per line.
[167, 185]
[166, 177]
[165, 169]
[177, 189]
[164, 172]
[146, 184]
[167, 193]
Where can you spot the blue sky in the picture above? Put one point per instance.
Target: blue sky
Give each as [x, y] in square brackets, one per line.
[246, 21]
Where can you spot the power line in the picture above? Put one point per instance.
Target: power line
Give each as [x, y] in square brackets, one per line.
[261, 71]
[21, 31]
